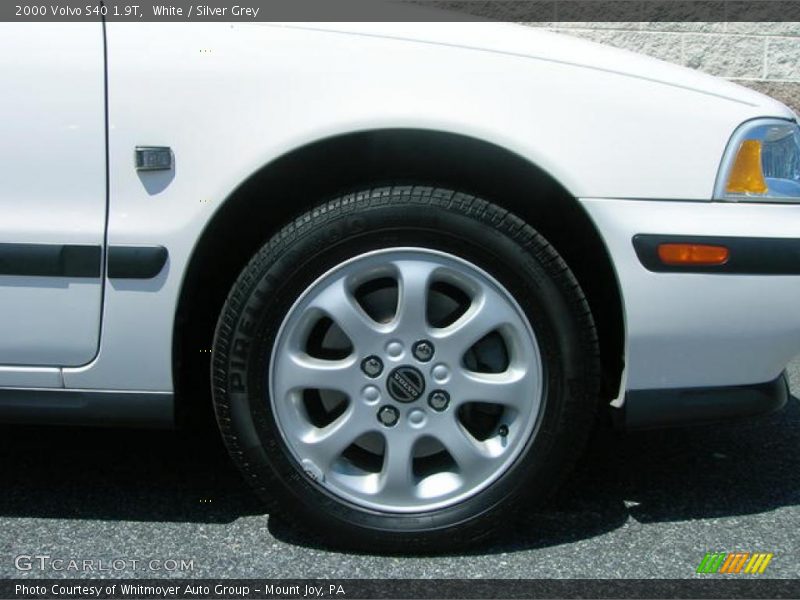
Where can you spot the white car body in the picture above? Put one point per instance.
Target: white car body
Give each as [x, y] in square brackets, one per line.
[637, 142]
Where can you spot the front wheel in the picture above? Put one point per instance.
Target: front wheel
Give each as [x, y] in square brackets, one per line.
[405, 366]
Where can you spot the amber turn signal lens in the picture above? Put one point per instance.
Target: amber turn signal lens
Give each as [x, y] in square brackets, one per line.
[692, 254]
[746, 176]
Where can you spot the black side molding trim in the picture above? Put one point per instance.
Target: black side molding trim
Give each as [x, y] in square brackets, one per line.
[136, 262]
[646, 409]
[748, 256]
[50, 260]
[86, 407]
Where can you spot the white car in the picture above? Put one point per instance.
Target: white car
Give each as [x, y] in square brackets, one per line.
[409, 264]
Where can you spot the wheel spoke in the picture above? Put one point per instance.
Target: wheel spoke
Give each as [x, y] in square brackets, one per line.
[338, 303]
[488, 312]
[414, 281]
[325, 445]
[471, 459]
[301, 371]
[513, 388]
[397, 478]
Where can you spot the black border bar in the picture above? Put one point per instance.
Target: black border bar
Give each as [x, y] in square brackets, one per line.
[404, 10]
[748, 256]
[609, 11]
[707, 586]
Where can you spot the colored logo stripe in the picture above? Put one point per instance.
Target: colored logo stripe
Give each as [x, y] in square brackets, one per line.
[758, 563]
[711, 562]
[733, 562]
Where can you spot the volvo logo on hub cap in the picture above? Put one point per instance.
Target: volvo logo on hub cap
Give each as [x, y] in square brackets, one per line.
[405, 384]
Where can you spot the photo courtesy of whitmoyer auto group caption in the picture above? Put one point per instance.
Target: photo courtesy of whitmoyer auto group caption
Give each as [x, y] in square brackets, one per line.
[351, 299]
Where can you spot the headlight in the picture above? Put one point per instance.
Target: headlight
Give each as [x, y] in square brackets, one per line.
[762, 162]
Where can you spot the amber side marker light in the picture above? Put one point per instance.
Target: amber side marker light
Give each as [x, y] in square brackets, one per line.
[746, 176]
[692, 254]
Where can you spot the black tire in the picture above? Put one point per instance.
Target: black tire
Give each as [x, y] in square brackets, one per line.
[462, 225]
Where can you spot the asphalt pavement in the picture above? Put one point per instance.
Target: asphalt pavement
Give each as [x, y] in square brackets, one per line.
[639, 506]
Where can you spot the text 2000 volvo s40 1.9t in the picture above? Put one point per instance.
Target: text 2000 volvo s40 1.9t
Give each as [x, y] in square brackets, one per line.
[408, 264]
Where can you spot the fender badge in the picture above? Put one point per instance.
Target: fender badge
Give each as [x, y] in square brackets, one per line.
[153, 158]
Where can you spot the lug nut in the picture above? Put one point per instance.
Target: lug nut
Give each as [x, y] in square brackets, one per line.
[372, 366]
[438, 400]
[388, 415]
[423, 351]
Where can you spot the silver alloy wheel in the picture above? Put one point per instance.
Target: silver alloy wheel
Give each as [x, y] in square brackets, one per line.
[331, 408]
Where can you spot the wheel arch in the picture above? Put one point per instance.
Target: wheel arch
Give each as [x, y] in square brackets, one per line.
[298, 180]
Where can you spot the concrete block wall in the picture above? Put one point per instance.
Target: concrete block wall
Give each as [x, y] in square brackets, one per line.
[764, 56]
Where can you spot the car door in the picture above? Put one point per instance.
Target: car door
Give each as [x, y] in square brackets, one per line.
[52, 193]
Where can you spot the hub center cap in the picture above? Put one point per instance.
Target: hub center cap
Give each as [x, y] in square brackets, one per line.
[405, 384]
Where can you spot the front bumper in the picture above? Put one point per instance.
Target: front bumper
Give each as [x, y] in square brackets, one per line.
[702, 329]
